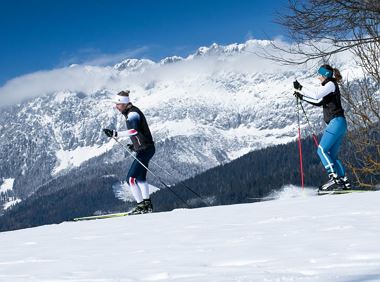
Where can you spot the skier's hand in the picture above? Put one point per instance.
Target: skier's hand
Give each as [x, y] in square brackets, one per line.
[297, 85]
[110, 132]
[130, 147]
[298, 95]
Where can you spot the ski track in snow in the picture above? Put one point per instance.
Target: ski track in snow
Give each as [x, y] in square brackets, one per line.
[329, 238]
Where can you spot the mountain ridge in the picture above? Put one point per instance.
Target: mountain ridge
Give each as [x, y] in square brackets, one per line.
[203, 111]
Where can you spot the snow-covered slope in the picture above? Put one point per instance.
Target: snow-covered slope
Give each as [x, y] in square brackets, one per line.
[327, 238]
[7, 196]
[204, 110]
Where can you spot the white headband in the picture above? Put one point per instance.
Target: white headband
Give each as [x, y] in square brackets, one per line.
[117, 99]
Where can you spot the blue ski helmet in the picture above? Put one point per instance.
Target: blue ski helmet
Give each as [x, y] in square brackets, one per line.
[326, 71]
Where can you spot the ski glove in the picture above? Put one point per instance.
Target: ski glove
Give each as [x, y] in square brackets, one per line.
[110, 132]
[130, 147]
[298, 95]
[297, 85]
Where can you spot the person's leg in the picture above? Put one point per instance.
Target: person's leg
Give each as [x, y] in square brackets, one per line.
[330, 143]
[324, 147]
[141, 172]
[132, 174]
[338, 166]
[340, 170]
[144, 187]
[144, 158]
[340, 130]
[328, 151]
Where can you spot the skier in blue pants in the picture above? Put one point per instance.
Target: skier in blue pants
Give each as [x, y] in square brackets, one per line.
[142, 143]
[328, 96]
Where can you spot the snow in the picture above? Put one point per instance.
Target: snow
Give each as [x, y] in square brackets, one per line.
[172, 128]
[298, 238]
[67, 159]
[124, 193]
[291, 191]
[61, 96]
[11, 203]
[7, 185]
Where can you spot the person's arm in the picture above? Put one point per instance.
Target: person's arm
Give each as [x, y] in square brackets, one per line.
[134, 122]
[115, 134]
[315, 97]
[127, 133]
[318, 104]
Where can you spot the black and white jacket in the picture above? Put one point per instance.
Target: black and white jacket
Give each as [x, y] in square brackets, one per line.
[327, 96]
[138, 129]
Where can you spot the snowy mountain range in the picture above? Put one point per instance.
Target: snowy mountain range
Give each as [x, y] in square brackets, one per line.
[295, 238]
[204, 110]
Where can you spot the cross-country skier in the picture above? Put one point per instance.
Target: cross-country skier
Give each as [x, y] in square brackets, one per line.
[142, 144]
[328, 96]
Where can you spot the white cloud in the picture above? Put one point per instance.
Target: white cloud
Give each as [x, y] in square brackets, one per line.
[76, 78]
[88, 79]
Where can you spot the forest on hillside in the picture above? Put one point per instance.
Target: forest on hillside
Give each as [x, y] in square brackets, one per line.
[251, 176]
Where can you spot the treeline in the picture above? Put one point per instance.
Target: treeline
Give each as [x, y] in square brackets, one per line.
[253, 175]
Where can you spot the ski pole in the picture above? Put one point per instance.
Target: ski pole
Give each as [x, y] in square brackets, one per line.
[151, 172]
[183, 184]
[299, 143]
[311, 127]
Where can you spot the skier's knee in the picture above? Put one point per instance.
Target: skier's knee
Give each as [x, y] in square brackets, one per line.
[320, 151]
[131, 181]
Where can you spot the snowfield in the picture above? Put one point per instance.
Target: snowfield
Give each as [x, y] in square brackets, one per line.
[299, 238]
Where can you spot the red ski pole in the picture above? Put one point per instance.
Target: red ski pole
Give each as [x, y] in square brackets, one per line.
[300, 144]
[311, 127]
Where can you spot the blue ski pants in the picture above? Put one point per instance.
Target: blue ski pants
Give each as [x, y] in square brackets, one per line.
[329, 146]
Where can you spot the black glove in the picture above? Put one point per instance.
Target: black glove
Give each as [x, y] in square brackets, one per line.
[110, 132]
[297, 85]
[298, 95]
[130, 147]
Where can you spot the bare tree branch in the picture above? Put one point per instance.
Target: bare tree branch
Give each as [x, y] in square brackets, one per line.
[319, 29]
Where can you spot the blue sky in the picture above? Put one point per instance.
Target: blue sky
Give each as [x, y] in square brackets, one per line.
[47, 34]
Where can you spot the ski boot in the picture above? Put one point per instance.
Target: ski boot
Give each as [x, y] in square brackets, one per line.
[139, 209]
[345, 183]
[333, 183]
[148, 206]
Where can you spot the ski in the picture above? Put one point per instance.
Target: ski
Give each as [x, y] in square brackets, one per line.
[340, 192]
[102, 216]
